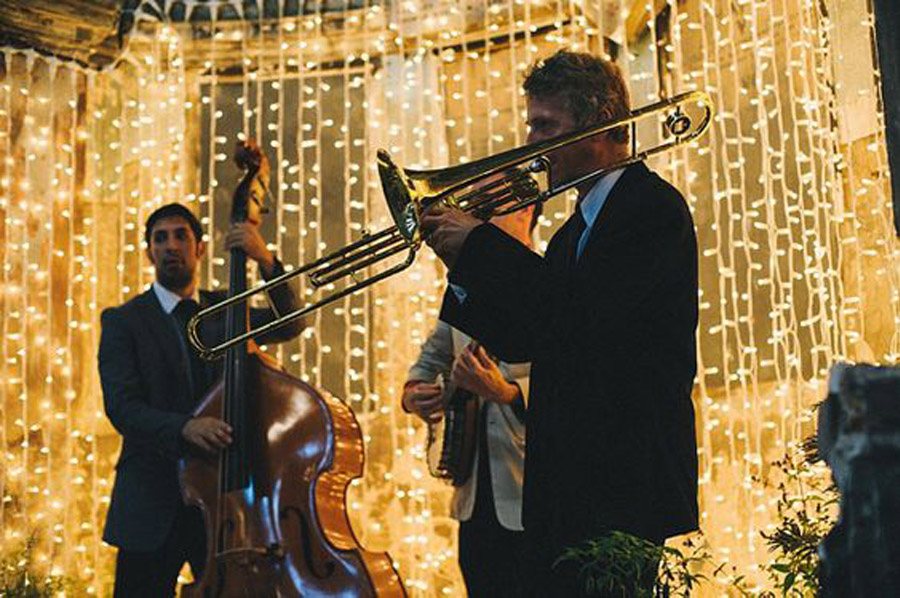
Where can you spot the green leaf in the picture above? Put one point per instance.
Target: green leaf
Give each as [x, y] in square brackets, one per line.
[781, 567]
[789, 580]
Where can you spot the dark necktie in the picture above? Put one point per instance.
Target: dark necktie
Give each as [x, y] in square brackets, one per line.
[577, 229]
[183, 312]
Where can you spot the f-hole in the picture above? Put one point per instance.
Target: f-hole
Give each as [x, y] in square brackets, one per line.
[307, 545]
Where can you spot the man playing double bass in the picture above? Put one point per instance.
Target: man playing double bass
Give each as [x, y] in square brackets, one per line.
[152, 378]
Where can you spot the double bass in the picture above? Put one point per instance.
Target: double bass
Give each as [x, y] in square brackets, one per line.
[273, 501]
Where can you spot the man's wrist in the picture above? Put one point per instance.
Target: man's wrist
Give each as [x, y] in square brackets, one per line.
[184, 442]
[267, 263]
[508, 393]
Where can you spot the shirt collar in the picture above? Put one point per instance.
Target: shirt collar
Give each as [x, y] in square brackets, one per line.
[596, 197]
[168, 300]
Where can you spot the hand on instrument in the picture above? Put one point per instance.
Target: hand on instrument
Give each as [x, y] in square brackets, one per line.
[425, 400]
[446, 229]
[246, 236]
[208, 433]
[474, 371]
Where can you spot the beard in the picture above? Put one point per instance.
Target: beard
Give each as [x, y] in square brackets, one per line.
[174, 278]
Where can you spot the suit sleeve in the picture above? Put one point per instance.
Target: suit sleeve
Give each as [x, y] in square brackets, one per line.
[524, 384]
[283, 299]
[436, 356]
[124, 392]
[520, 376]
[506, 284]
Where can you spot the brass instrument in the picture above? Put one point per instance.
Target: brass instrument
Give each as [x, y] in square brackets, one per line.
[492, 186]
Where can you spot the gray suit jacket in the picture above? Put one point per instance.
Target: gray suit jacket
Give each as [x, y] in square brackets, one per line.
[146, 394]
[505, 431]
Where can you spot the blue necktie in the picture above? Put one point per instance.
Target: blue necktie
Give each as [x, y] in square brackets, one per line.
[578, 226]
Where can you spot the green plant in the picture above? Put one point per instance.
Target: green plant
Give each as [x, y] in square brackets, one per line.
[807, 510]
[619, 564]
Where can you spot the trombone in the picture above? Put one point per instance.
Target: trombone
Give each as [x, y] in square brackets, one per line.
[493, 186]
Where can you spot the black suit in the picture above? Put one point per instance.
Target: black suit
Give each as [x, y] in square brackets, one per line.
[147, 395]
[611, 442]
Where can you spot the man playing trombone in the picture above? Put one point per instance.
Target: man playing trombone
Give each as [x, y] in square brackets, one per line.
[607, 317]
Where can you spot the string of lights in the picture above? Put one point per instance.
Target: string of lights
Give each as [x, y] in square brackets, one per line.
[789, 192]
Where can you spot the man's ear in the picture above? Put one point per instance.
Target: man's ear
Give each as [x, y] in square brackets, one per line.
[201, 249]
[149, 254]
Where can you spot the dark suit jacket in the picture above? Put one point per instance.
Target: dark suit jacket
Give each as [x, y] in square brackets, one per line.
[146, 394]
[610, 422]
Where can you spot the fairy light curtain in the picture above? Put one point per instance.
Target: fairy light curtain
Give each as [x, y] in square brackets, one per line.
[798, 261]
[83, 155]
[788, 191]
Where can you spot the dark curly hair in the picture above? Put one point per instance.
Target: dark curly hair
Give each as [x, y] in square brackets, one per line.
[593, 89]
[173, 210]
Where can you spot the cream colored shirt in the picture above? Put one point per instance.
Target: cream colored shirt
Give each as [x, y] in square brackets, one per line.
[505, 432]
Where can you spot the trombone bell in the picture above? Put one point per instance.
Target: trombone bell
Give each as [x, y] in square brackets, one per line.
[397, 194]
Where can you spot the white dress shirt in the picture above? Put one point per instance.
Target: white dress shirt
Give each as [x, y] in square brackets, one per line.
[168, 300]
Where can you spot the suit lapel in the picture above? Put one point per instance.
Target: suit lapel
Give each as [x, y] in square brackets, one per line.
[629, 180]
[161, 328]
[557, 249]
